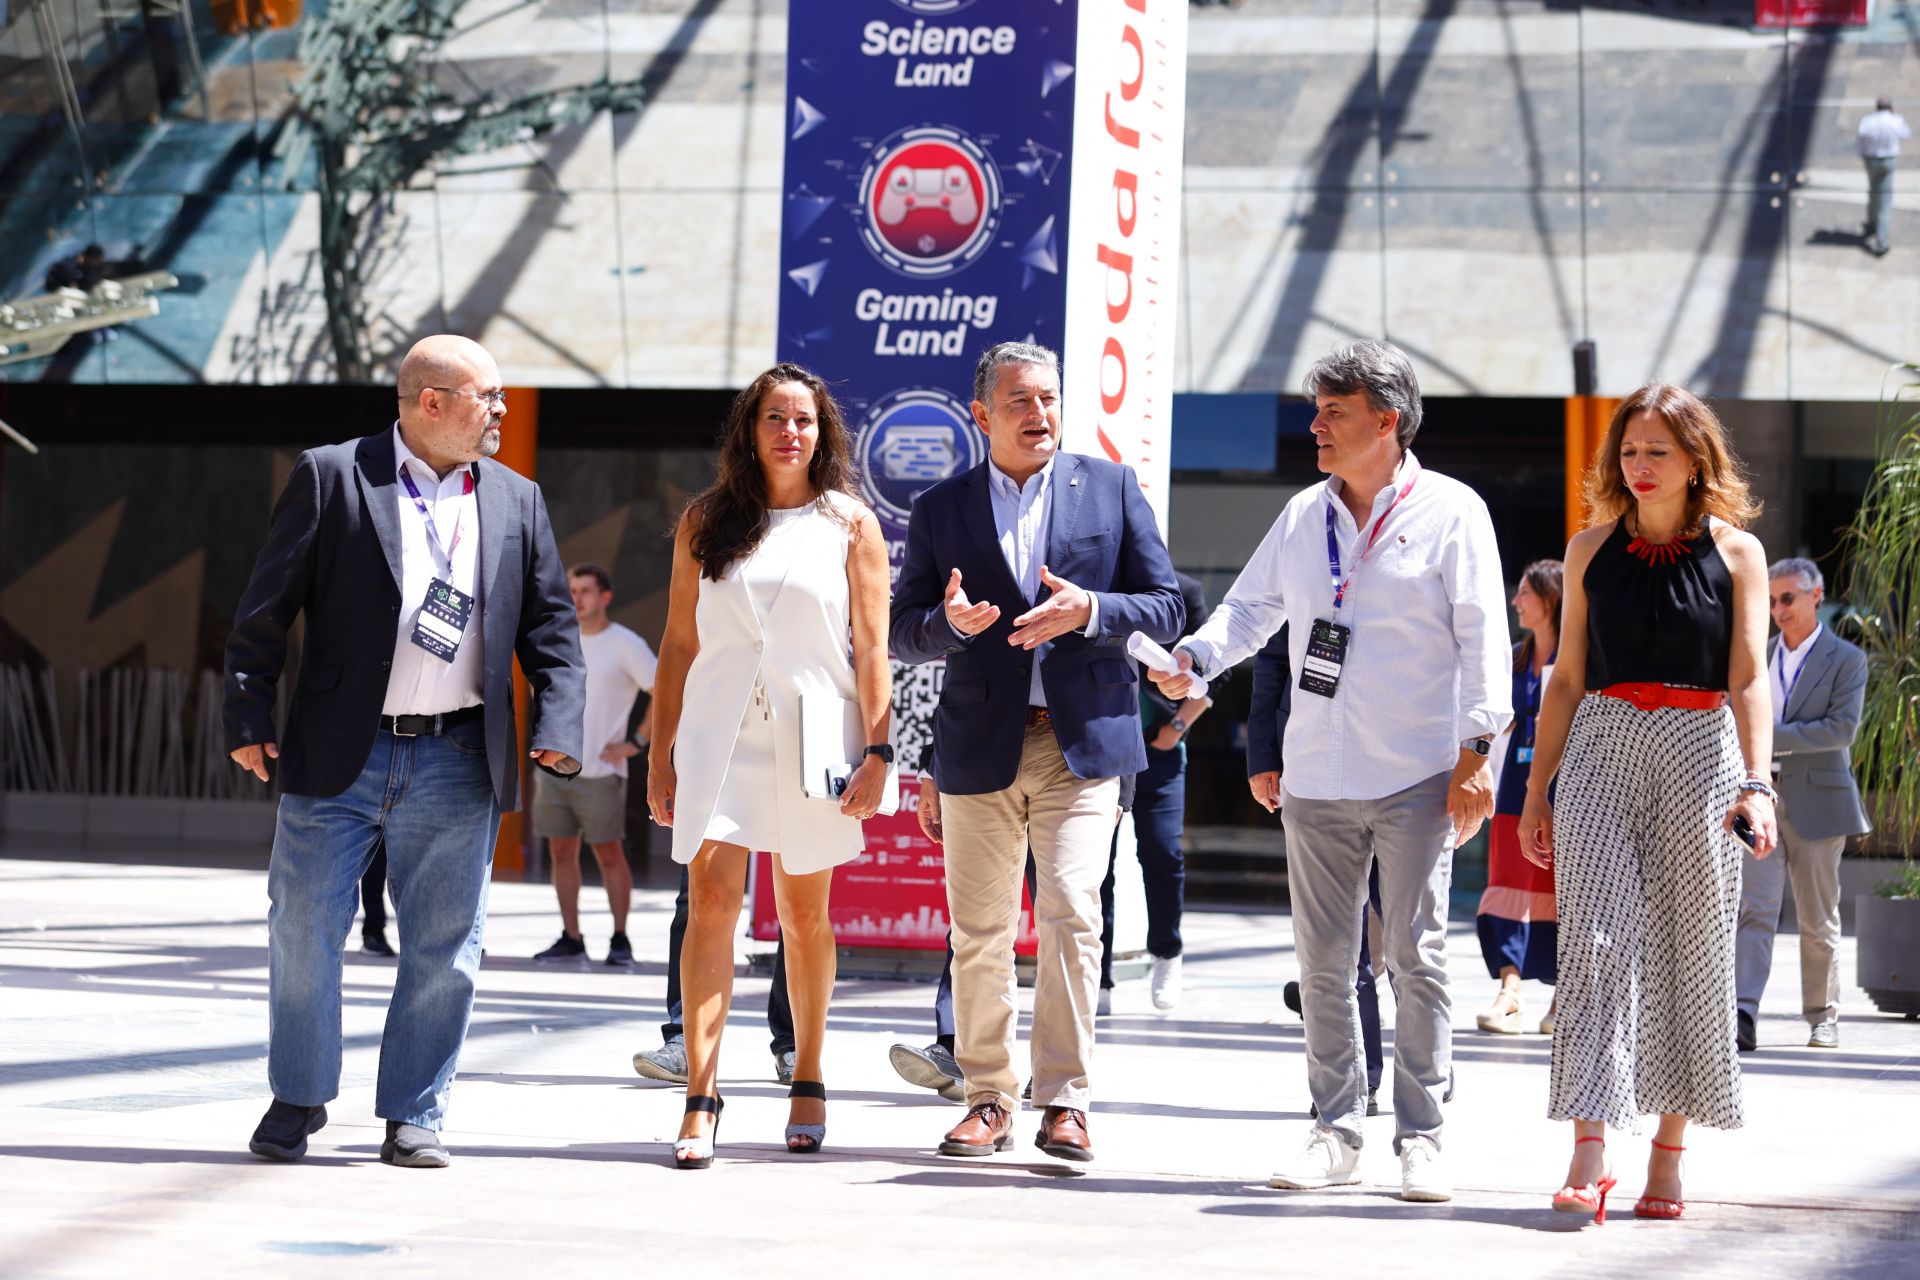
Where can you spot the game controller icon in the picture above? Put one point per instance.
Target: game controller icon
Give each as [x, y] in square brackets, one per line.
[909, 188]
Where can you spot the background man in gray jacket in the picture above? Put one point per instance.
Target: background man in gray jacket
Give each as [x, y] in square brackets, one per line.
[1819, 682]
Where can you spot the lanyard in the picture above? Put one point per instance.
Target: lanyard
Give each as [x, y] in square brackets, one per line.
[1340, 584]
[1531, 701]
[433, 534]
[1788, 686]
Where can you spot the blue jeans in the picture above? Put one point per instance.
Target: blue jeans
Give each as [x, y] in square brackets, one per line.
[432, 799]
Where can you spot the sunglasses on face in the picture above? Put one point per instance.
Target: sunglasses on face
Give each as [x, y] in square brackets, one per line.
[1784, 600]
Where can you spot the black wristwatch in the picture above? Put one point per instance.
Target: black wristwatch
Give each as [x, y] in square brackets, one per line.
[1479, 746]
[882, 749]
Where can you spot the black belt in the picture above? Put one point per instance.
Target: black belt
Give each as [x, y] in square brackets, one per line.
[429, 726]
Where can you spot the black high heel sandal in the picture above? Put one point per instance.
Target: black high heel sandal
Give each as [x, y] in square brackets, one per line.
[699, 1151]
[810, 1136]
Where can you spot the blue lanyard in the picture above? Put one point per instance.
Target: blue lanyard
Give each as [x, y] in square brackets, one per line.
[1340, 584]
[1788, 686]
[433, 534]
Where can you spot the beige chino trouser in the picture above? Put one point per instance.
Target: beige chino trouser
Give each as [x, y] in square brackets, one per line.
[1069, 822]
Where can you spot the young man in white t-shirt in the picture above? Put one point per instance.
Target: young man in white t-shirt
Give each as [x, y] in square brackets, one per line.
[593, 803]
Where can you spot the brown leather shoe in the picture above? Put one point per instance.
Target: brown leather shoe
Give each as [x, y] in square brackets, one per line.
[987, 1129]
[1063, 1133]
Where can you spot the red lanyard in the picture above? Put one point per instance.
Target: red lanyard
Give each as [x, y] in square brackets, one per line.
[1333, 546]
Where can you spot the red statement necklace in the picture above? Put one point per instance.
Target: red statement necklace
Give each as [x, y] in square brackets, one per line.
[1658, 553]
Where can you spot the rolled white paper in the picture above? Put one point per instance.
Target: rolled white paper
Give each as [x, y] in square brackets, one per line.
[1154, 658]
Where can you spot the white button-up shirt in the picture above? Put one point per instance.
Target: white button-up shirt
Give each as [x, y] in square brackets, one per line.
[1786, 667]
[420, 683]
[1880, 135]
[1429, 664]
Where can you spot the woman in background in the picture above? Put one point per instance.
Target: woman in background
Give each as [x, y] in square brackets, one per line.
[1516, 919]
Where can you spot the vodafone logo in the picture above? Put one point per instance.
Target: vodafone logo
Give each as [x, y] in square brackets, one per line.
[931, 199]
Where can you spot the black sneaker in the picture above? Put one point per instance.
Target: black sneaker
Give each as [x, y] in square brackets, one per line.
[374, 942]
[567, 948]
[619, 950]
[282, 1133]
[1746, 1036]
[1290, 997]
[411, 1146]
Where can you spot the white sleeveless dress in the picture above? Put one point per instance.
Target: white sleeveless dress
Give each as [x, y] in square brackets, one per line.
[778, 622]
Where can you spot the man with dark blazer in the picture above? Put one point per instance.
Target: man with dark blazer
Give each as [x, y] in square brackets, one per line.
[422, 569]
[1819, 684]
[1037, 722]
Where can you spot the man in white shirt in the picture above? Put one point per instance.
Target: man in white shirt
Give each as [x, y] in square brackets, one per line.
[1881, 133]
[593, 803]
[1819, 688]
[1391, 580]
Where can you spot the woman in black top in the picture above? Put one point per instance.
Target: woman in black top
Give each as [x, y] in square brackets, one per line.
[1659, 723]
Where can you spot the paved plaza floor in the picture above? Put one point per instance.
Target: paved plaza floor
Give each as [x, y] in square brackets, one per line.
[132, 1070]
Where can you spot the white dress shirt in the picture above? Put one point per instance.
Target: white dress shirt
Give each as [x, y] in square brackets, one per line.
[420, 683]
[1023, 520]
[1880, 135]
[1785, 669]
[1429, 664]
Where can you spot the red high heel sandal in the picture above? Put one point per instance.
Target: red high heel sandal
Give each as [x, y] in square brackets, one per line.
[1590, 1200]
[1659, 1206]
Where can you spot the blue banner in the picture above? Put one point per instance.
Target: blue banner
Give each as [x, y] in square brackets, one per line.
[925, 216]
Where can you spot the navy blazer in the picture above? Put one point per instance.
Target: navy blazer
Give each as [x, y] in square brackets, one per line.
[1272, 704]
[333, 554]
[1103, 539]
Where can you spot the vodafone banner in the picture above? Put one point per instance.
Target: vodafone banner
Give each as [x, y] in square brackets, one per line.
[959, 173]
[1123, 250]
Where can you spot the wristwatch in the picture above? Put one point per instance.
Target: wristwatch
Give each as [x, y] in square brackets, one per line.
[882, 749]
[1179, 726]
[1479, 746]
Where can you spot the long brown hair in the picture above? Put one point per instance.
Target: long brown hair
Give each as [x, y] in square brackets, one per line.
[1548, 580]
[1722, 491]
[731, 513]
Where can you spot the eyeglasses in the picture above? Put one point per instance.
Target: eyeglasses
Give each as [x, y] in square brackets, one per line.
[498, 399]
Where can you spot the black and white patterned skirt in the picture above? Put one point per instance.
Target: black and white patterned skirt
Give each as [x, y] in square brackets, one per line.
[1648, 886]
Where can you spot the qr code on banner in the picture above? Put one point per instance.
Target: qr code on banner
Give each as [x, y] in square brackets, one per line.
[916, 691]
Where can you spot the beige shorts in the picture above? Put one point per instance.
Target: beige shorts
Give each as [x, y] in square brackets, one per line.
[594, 809]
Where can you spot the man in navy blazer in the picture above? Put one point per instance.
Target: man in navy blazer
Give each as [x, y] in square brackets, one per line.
[422, 570]
[1038, 720]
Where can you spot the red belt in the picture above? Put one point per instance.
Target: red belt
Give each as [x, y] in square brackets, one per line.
[1651, 697]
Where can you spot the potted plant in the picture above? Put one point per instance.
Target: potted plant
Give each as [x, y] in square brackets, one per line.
[1883, 546]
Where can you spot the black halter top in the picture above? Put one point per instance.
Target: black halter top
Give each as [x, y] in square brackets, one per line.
[1659, 614]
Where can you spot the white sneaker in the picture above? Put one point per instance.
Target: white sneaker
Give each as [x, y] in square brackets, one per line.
[1166, 982]
[1421, 1176]
[1325, 1161]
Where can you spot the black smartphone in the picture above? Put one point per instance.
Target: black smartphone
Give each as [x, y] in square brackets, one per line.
[1743, 830]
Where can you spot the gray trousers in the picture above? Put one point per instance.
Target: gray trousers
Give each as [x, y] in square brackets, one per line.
[1329, 845]
[1814, 866]
[1880, 202]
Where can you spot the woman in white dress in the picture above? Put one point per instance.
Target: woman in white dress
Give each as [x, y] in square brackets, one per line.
[780, 585]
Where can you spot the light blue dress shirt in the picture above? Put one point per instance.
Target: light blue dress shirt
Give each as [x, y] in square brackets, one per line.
[1022, 521]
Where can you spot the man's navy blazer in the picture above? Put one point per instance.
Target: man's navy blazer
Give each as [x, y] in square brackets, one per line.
[333, 554]
[1102, 538]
